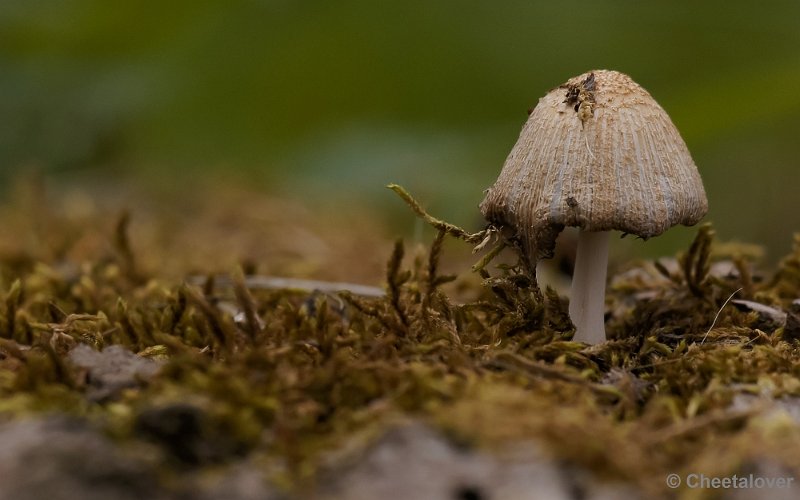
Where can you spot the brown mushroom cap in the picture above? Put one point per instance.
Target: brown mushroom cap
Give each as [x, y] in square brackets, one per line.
[598, 153]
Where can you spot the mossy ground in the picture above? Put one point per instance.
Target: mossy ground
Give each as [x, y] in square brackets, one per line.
[688, 382]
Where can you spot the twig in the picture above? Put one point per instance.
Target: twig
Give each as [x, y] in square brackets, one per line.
[277, 283]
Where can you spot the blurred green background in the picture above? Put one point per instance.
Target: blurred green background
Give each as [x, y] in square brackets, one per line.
[330, 100]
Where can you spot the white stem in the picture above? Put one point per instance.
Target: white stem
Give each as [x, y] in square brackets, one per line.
[588, 296]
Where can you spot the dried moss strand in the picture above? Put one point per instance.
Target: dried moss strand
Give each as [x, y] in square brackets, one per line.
[122, 244]
[490, 255]
[13, 299]
[62, 371]
[745, 276]
[701, 423]
[440, 225]
[431, 279]
[512, 361]
[696, 262]
[126, 324]
[247, 305]
[178, 308]
[394, 280]
[213, 319]
[369, 310]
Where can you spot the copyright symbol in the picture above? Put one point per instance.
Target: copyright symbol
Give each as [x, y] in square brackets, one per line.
[673, 480]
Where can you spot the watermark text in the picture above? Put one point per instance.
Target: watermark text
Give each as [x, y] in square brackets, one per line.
[735, 481]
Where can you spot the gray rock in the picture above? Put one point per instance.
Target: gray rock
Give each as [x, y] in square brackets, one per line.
[415, 461]
[767, 479]
[111, 370]
[768, 316]
[63, 458]
[768, 405]
[60, 458]
[243, 481]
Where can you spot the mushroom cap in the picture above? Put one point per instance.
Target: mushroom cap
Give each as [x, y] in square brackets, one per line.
[598, 153]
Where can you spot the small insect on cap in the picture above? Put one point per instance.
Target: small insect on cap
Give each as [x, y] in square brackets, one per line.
[598, 153]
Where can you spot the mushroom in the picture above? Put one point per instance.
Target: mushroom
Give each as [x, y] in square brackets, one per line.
[600, 154]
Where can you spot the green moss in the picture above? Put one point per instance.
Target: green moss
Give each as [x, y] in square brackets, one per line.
[289, 376]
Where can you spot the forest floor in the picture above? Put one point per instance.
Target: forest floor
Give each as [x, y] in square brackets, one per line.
[155, 353]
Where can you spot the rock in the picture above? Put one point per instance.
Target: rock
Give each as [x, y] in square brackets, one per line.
[60, 458]
[789, 405]
[769, 317]
[415, 461]
[111, 370]
[243, 481]
[761, 473]
[63, 458]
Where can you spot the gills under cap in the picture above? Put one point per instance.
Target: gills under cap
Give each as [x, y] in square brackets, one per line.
[598, 153]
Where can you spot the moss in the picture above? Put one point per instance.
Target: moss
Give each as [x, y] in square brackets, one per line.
[289, 376]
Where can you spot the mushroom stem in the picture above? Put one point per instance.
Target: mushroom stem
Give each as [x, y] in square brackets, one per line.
[587, 300]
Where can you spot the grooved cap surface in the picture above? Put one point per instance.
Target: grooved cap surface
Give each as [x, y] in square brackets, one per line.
[598, 153]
